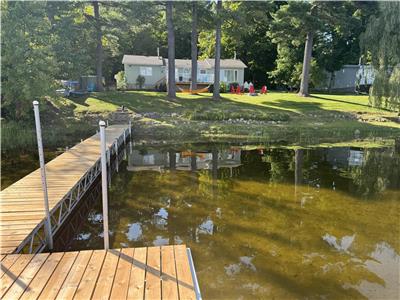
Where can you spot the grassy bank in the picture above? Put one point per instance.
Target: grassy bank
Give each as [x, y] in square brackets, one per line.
[278, 117]
[270, 120]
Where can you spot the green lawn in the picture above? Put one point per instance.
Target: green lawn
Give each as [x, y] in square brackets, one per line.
[275, 116]
[273, 102]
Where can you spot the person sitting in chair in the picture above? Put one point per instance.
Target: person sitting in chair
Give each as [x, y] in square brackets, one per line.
[246, 87]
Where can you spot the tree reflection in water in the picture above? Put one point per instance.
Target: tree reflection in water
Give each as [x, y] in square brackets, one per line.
[266, 222]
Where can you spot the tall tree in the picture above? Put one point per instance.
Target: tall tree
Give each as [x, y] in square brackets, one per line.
[301, 22]
[244, 32]
[381, 40]
[217, 63]
[171, 51]
[28, 62]
[305, 74]
[73, 42]
[193, 84]
[99, 47]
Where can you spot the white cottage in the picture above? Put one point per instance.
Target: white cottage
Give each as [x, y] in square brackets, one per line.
[155, 70]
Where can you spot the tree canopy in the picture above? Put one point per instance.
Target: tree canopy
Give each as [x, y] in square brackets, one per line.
[381, 42]
[45, 41]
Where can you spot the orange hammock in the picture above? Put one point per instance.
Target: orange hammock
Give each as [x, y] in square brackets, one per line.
[189, 91]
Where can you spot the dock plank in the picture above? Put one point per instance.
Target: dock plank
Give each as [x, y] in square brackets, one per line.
[53, 286]
[23, 200]
[184, 275]
[138, 272]
[7, 262]
[74, 277]
[153, 274]
[129, 273]
[169, 281]
[39, 281]
[107, 274]
[11, 274]
[23, 281]
[121, 280]
[89, 279]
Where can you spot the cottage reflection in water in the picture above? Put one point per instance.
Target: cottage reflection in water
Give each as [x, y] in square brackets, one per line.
[158, 160]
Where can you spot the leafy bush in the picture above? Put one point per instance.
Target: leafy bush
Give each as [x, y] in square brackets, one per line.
[140, 80]
[121, 80]
[385, 91]
[222, 87]
[21, 137]
[234, 84]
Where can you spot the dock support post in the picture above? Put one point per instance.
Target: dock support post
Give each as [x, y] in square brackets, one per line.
[48, 231]
[104, 183]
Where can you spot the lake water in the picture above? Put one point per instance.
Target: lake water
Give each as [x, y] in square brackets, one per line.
[263, 222]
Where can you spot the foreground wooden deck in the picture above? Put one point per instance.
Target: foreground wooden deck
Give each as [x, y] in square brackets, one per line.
[129, 273]
[68, 177]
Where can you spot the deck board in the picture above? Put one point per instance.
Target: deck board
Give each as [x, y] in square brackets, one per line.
[88, 282]
[75, 274]
[185, 281]
[129, 273]
[169, 282]
[153, 274]
[54, 284]
[106, 278]
[42, 276]
[138, 273]
[11, 274]
[122, 275]
[23, 280]
[21, 204]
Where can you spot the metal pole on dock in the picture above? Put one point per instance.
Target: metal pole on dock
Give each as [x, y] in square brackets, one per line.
[104, 183]
[48, 231]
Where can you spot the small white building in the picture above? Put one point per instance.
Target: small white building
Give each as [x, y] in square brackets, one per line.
[155, 71]
[349, 78]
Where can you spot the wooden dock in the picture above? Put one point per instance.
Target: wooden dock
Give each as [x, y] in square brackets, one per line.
[130, 273]
[69, 176]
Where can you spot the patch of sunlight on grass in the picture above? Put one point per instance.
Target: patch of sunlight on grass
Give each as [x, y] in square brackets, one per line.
[95, 105]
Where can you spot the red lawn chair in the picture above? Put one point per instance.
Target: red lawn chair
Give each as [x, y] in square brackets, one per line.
[264, 89]
[238, 90]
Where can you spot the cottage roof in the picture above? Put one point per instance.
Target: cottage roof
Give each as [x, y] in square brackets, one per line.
[227, 63]
[142, 60]
[180, 63]
[187, 63]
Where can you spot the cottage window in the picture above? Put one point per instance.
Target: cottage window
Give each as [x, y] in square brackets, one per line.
[146, 71]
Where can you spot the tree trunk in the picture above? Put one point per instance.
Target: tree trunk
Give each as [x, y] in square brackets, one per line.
[305, 75]
[171, 53]
[214, 159]
[217, 66]
[172, 159]
[193, 162]
[99, 48]
[193, 84]
[331, 81]
[298, 173]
